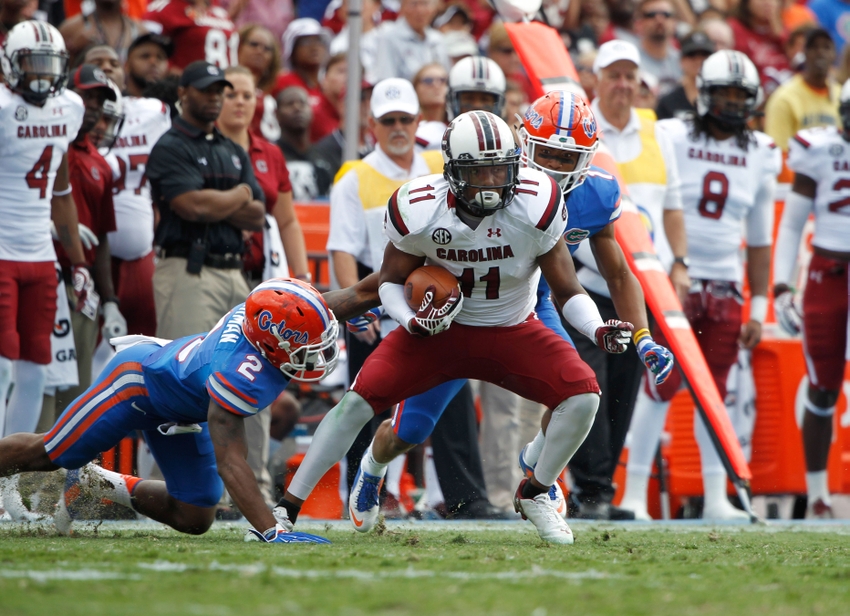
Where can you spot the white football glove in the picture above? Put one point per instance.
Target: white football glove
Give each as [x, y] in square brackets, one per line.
[787, 313]
[430, 320]
[114, 323]
[87, 236]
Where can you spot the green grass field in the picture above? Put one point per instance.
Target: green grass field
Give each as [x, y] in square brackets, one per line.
[146, 569]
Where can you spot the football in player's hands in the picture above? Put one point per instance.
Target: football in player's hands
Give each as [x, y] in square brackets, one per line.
[420, 279]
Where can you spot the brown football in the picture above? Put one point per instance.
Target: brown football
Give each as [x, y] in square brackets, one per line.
[422, 278]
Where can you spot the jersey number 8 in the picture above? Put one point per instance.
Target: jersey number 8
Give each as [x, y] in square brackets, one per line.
[715, 191]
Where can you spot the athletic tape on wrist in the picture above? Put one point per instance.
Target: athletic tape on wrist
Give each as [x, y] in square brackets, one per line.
[758, 308]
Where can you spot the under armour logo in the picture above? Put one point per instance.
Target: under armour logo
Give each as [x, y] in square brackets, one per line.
[203, 160]
[494, 232]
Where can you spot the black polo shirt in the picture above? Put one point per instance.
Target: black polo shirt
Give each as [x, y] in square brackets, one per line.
[186, 159]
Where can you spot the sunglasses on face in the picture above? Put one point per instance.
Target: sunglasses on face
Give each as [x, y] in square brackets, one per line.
[403, 120]
[259, 45]
[505, 50]
[654, 14]
[431, 81]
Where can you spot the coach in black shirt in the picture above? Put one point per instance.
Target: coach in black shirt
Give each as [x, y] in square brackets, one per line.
[204, 187]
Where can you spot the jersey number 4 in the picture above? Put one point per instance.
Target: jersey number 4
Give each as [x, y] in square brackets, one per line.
[715, 191]
[39, 175]
[492, 278]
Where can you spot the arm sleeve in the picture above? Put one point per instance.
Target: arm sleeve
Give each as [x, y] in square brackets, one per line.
[392, 298]
[347, 219]
[673, 196]
[172, 172]
[794, 217]
[760, 218]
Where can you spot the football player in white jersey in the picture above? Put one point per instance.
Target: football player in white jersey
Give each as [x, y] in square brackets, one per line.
[38, 119]
[495, 227]
[820, 158]
[728, 185]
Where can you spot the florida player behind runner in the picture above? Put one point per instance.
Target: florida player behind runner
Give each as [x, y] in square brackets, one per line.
[728, 185]
[283, 331]
[559, 137]
[820, 158]
[495, 227]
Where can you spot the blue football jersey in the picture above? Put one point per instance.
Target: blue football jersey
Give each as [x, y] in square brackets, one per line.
[590, 208]
[183, 376]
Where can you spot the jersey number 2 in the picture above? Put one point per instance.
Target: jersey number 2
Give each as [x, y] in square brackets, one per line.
[38, 176]
[249, 367]
[836, 206]
[715, 191]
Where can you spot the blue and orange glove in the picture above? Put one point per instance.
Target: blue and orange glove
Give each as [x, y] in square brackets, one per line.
[362, 323]
[279, 534]
[658, 359]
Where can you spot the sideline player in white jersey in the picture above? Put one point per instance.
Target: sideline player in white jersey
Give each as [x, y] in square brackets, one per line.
[145, 121]
[820, 158]
[728, 175]
[38, 119]
[495, 228]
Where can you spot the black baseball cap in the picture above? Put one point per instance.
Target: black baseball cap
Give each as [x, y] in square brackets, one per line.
[89, 77]
[202, 75]
[157, 39]
[696, 42]
[816, 33]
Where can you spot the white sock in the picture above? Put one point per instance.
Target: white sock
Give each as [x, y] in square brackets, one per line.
[6, 368]
[817, 487]
[635, 498]
[534, 449]
[394, 472]
[717, 505]
[372, 466]
[107, 484]
[24, 408]
[645, 432]
[333, 438]
[571, 422]
[711, 463]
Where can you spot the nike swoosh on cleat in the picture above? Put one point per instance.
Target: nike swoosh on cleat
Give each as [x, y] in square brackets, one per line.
[357, 523]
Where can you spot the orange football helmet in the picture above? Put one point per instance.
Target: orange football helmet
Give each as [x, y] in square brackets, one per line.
[290, 324]
[563, 121]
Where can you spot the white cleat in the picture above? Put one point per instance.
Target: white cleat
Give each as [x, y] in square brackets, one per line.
[556, 493]
[14, 504]
[539, 511]
[724, 511]
[638, 508]
[364, 501]
[281, 515]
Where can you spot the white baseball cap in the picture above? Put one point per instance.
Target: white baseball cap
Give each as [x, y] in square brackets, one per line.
[394, 95]
[614, 51]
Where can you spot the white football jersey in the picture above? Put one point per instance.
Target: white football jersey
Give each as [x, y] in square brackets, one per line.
[496, 263]
[33, 141]
[726, 192]
[146, 120]
[824, 155]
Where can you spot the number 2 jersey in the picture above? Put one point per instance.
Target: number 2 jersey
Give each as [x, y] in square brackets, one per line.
[183, 376]
[145, 121]
[33, 141]
[496, 263]
[726, 191]
[824, 155]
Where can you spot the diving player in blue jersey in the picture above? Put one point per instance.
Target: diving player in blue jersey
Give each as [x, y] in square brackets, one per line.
[189, 397]
[559, 137]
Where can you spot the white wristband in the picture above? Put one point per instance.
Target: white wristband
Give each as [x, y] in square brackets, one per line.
[758, 308]
[582, 313]
[62, 193]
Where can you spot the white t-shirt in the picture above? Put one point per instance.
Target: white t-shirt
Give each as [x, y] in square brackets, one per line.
[33, 141]
[728, 194]
[146, 120]
[823, 155]
[495, 263]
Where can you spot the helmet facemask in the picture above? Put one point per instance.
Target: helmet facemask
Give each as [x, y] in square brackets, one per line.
[495, 179]
[454, 105]
[310, 362]
[567, 180]
[109, 126]
[729, 113]
[48, 66]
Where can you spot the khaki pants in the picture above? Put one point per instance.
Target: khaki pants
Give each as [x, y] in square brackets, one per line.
[500, 443]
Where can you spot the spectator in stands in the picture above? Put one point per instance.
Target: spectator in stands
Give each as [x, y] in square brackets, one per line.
[809, 98]
[107, 24]
[454, 17]
[584, 68]
[719, 32]
[759, 32]
[275, 15]
[371, 11]
[431, 83]
[501, 50]
[259, 51]
[656, 25]
[409, 43]
[621, 21]
[328, 152]
[13, 12]
[200, 31]
[147, 62]
[696, 47]
[106, 59]
[459, 45]
[294, 117]
[305, 52]
[832, 15]
[328, 111]
[647, 93]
